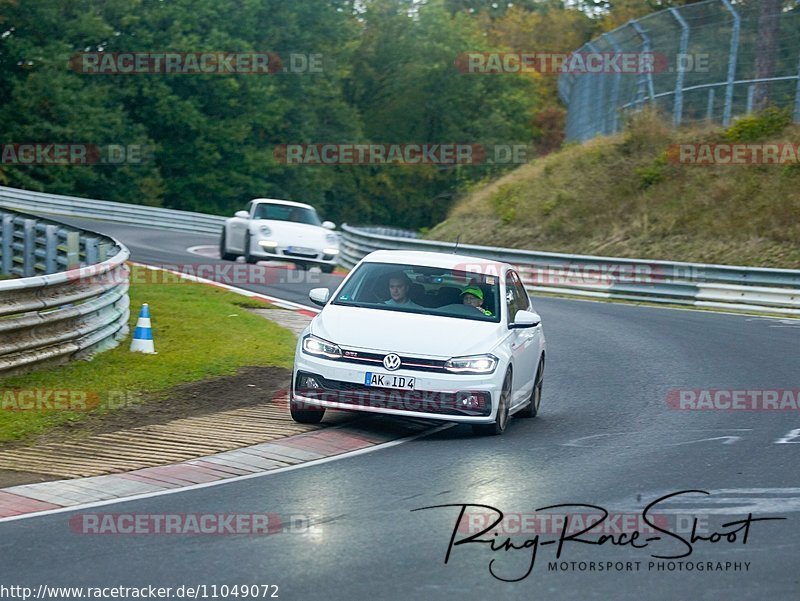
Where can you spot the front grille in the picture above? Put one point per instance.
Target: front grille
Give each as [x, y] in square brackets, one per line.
[360, 395]
[376, 359]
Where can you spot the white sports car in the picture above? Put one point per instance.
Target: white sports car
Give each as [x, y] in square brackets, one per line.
[419, 334]
[280, 230]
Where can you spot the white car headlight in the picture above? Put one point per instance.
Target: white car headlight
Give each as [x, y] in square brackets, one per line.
[321, 348]
[331, 238]
[264, 229]
[475, 364]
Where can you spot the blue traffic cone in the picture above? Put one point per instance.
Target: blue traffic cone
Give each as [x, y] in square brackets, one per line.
[143, 336]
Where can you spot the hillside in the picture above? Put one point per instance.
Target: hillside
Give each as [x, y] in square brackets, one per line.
[624, 196]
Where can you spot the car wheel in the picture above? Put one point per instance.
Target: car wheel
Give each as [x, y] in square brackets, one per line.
[306, 416]
[247, 256]
[223, 248]
[532, 408]
[501, 419]
[327, 268]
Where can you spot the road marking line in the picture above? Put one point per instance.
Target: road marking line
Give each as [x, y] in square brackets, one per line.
[723, 502]
[577, 442]
[788, 439]
[197, 250]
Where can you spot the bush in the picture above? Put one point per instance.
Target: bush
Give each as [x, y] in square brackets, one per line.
[651, 173]
[765, 124]
[504, 203]
[645, 131]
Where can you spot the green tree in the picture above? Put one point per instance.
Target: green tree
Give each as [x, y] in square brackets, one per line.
[388, 77]
[44, 102]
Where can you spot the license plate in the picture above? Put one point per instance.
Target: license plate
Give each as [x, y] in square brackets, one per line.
[301, 250]
[388, 381]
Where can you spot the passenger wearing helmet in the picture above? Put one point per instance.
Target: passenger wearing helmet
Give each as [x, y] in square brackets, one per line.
[473, 296]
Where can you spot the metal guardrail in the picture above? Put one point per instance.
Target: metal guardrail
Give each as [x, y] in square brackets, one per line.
[723, 286]
[753, 289]
[68, 293]
[119, 212]
[714, 60]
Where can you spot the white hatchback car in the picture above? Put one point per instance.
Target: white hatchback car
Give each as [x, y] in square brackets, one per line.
[422, 334]
[280, 230]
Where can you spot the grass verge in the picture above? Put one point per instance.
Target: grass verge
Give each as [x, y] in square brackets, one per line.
[200, 332]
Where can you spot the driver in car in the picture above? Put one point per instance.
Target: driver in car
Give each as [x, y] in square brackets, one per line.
[399, 285]
[473, 296]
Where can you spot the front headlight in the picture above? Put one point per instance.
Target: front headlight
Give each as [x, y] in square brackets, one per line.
[321, 348]
[264, 229]
[331, 238]
[475, 364]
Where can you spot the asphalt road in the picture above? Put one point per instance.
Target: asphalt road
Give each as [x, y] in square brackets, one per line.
[169, 249]
[605, 436]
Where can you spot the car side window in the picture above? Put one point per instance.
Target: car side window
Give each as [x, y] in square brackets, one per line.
[511, 298]
[521, 295]
[249, 208]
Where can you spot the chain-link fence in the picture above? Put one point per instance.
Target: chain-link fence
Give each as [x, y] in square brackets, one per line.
[708, 61]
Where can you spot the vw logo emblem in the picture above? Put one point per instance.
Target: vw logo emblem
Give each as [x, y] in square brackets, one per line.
[391, 361]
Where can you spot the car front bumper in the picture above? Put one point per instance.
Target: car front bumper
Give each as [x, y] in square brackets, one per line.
[436, 395]
[286, 253]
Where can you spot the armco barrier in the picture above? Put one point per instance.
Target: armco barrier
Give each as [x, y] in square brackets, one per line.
[752, 289]
[68, 293]
[119, 212]
[743, 288]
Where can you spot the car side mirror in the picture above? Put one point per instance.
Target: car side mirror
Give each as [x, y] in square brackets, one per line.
[525, 319]
[319, 296]
[329, 225]
[242, 214]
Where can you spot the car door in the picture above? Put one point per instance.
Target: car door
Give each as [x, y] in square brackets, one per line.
[525, 341]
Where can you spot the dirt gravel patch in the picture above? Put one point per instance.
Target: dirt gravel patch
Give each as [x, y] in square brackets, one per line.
[250, 386]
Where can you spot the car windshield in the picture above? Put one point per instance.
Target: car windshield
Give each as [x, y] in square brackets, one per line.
[428, 290]
[280, 212]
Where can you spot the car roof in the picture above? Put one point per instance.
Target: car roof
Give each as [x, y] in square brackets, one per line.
[432, 259]
[277, 201]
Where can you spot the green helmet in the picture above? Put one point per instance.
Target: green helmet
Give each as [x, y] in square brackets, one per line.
[474, 291]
